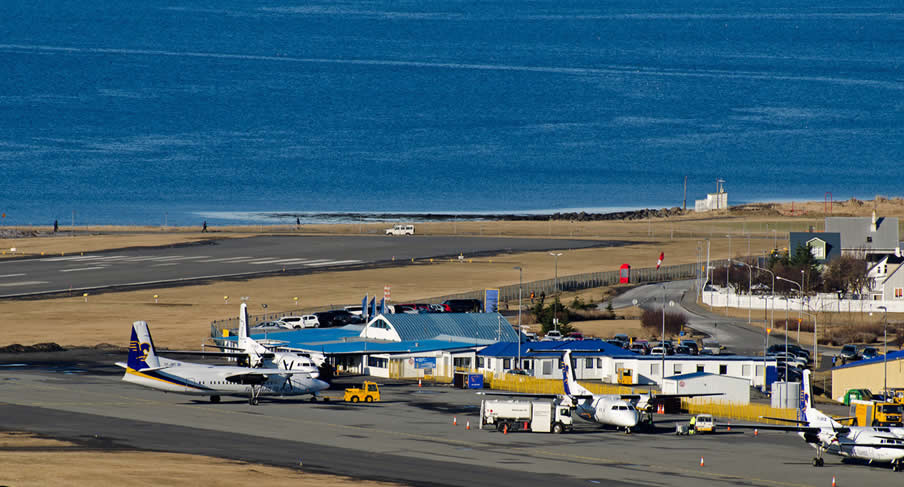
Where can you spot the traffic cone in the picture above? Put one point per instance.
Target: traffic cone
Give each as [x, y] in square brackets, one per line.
[454, 420]
[701, 461]
[525, 425]
[419, 383]
[505, 429]
[729, 427]
[833, 481]
[756, 432]
[468, 425]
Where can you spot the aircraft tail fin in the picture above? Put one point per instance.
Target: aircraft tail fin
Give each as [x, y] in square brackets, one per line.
[806, 412]
[244, 331]
[142, 354]
[572, 388]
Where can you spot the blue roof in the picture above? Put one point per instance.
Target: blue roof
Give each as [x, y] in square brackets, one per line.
[891, 356]
[391, 347]
[538, 349]
[464, 326]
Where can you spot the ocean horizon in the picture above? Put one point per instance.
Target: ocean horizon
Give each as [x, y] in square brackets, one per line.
[179, 111]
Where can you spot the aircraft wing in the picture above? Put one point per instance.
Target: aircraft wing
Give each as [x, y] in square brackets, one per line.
[772, 427]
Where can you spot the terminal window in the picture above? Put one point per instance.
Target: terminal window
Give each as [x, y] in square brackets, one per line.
[723, 369]
[588, 364]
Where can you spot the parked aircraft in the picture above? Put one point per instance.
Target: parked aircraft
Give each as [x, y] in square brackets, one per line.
[146, 368]
[260, 354]
[619, 410]
[828, 435]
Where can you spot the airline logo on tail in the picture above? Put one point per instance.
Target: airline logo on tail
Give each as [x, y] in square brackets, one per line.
[141, 348]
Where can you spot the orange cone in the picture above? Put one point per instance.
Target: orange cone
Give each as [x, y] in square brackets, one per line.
[756, 432]
[454, 420]
[729, 427]
[505, 429]
[468, 425]
[701, 461]
[419, 383]
[833, 481]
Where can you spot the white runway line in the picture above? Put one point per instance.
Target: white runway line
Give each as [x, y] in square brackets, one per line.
[83, 269]
[334, 262]
[22, 283]
[229, 259]
[165, 264]
[12, 275]
[73, 257]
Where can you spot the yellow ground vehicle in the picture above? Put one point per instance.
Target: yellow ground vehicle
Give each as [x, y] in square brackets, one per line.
[368, 392]
[874, 413]
[625, 377]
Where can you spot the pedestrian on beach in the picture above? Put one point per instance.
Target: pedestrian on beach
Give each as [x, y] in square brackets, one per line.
[531, 297]
[204, 226]
[56, 226]
[297, 221]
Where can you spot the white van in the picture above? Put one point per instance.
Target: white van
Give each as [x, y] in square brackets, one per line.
[400, 230]
[306, 321]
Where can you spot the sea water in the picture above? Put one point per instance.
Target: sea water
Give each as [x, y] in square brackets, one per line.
[175, 111]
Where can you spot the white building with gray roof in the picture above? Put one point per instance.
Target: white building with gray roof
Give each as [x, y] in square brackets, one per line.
[869, 235]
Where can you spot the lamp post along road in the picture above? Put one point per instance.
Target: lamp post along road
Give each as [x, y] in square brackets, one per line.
[885, 352]
[520, 274]
[555, 303]
[800, 291]
[749, 290]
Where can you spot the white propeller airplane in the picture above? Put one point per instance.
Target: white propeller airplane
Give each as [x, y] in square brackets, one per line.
[618, 410]
[146, 368]
[869, 443]
[256, 354]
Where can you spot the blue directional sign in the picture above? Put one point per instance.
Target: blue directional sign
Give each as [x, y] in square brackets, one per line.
[424, 362]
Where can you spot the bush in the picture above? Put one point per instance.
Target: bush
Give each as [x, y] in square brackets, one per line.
[651, 321]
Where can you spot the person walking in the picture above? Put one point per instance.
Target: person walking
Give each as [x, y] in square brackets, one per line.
[56, 226]
[204, 226]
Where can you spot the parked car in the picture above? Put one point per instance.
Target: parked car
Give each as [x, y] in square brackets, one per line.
[614, 341]
[658, 351]
[355, 310]
[621, 336]
[849, 353]
[574, 336]
[272, 325]
[464, 305]
[400, 230]
[682, 350]
[296, 322]
[640, 348]
[529, 336]
[552, 335]
[441, 308]
[408, 308]
[869, 352]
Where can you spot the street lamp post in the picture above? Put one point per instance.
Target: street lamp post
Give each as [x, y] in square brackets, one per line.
[555, 303]
[520, 274]
[815, 337]
[749, 290]
[800, 291]
[885, 351]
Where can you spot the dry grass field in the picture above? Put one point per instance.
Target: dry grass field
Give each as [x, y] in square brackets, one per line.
[30, 461]
[182, 316]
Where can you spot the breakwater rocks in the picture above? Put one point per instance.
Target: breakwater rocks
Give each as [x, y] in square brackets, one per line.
[581, 216]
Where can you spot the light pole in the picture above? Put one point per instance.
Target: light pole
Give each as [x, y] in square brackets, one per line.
[815, 337]
[885, 352]
[662, 340]
[727, 269]
[749, 290]
[800, 291]
[555, 303]
[520, 273]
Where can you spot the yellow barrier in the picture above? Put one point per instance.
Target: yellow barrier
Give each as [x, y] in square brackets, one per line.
[746, 412]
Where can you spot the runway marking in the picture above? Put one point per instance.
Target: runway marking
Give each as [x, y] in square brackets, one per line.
[334, 262]
[22, 283]
[12, 275]
[165, 264]
[83, 269]
[73, 257]
[225, 259]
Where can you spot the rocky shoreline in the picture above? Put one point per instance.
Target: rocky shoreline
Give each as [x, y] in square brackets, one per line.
[424, 217]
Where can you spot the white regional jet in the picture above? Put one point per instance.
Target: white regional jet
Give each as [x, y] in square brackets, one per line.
[868, 443]
[147, 369]
[619, 410]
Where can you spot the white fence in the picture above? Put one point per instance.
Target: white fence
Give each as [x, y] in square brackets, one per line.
[721, 298]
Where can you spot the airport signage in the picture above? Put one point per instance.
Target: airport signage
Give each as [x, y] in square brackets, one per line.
[424, 362]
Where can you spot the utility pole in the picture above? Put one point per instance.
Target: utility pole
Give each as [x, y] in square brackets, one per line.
[684, 206]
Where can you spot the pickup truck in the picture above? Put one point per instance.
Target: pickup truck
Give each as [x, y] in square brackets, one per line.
[400, 230]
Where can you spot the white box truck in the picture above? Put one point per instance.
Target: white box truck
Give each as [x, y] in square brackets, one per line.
[540, 416]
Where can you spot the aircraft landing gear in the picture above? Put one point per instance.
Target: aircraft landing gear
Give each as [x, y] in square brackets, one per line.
[817, 460]
[214, 399]
[255, 393]
[627, 430]
[896, 466]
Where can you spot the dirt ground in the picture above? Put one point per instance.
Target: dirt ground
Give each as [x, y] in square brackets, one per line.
[23, 455]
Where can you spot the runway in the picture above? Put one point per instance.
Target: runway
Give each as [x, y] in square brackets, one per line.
[247, 257]
[407, 438]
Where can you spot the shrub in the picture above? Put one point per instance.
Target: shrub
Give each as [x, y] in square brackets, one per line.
[651, 321]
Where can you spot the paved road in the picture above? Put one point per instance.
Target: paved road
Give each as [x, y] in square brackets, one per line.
[244, 257]
[408, 438]
[734, 333]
